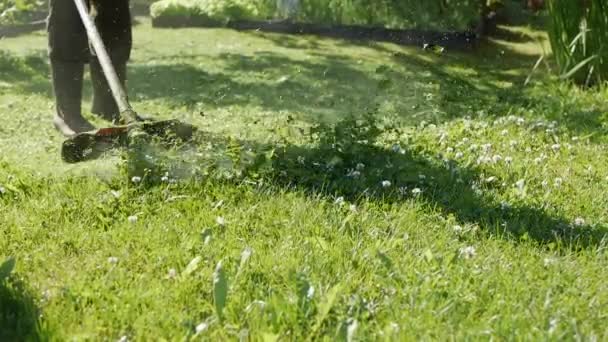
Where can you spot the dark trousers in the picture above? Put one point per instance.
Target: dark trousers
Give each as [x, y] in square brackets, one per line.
[69, 50]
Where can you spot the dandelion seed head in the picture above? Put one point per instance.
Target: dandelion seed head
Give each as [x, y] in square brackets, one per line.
[386, 183]
[136, 179]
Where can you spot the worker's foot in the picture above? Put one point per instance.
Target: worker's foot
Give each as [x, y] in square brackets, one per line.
[72, 126]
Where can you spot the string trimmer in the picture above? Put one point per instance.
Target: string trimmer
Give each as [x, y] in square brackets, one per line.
[89, 145]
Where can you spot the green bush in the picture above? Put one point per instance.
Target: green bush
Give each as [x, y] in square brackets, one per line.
[578, 32]
[203, 12]
[430, 14]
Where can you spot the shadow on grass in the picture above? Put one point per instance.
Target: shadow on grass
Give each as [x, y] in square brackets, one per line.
[330, 169]
[327, 85]
[20, 318]
[344, 159]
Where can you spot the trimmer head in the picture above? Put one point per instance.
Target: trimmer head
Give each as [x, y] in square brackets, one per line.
[90, 145]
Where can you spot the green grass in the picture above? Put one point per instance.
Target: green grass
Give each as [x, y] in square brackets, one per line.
[311, 249]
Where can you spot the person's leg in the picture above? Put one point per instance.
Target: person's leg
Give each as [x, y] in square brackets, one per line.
[113, 19]
[68, 52]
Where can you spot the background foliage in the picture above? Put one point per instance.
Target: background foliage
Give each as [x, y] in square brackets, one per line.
[444, 14]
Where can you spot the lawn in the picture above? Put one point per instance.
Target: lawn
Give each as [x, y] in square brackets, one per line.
[338, 190]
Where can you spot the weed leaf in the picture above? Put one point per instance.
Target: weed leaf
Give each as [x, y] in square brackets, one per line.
[220, 289]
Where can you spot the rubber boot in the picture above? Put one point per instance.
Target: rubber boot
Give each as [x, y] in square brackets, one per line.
[103, 101]
[67, 86]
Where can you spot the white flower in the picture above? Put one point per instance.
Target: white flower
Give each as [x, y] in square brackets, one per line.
[553, 325]
[558, 182]
[458, 229]
[459, 155]
[352, 207]
[301, 160]
[467, 252]
[172, 273]
[555, 147]
[115, 193]
[575, 138]
[450, 149]
[354, 174]
[201, 327]
[2, 190]
[123, 339]
[311, 292]
[136, 179]
[416, 191]
[164, 179]
[112, 260]
[520, 121]
[496, 158]
[473, 147]
[360, 166]
[386, 184]
[220, 220]
[544, 184]
[513, 143]
[508, 160]
[490, 179]
[549, 261]
[422, 177]
[339, 201]
[505, 205]
[504, 132]
[538, 160]
[396, 148]
[465, 140]
[520, 184]
[486, 147]
[132, 219]
[579, 221]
